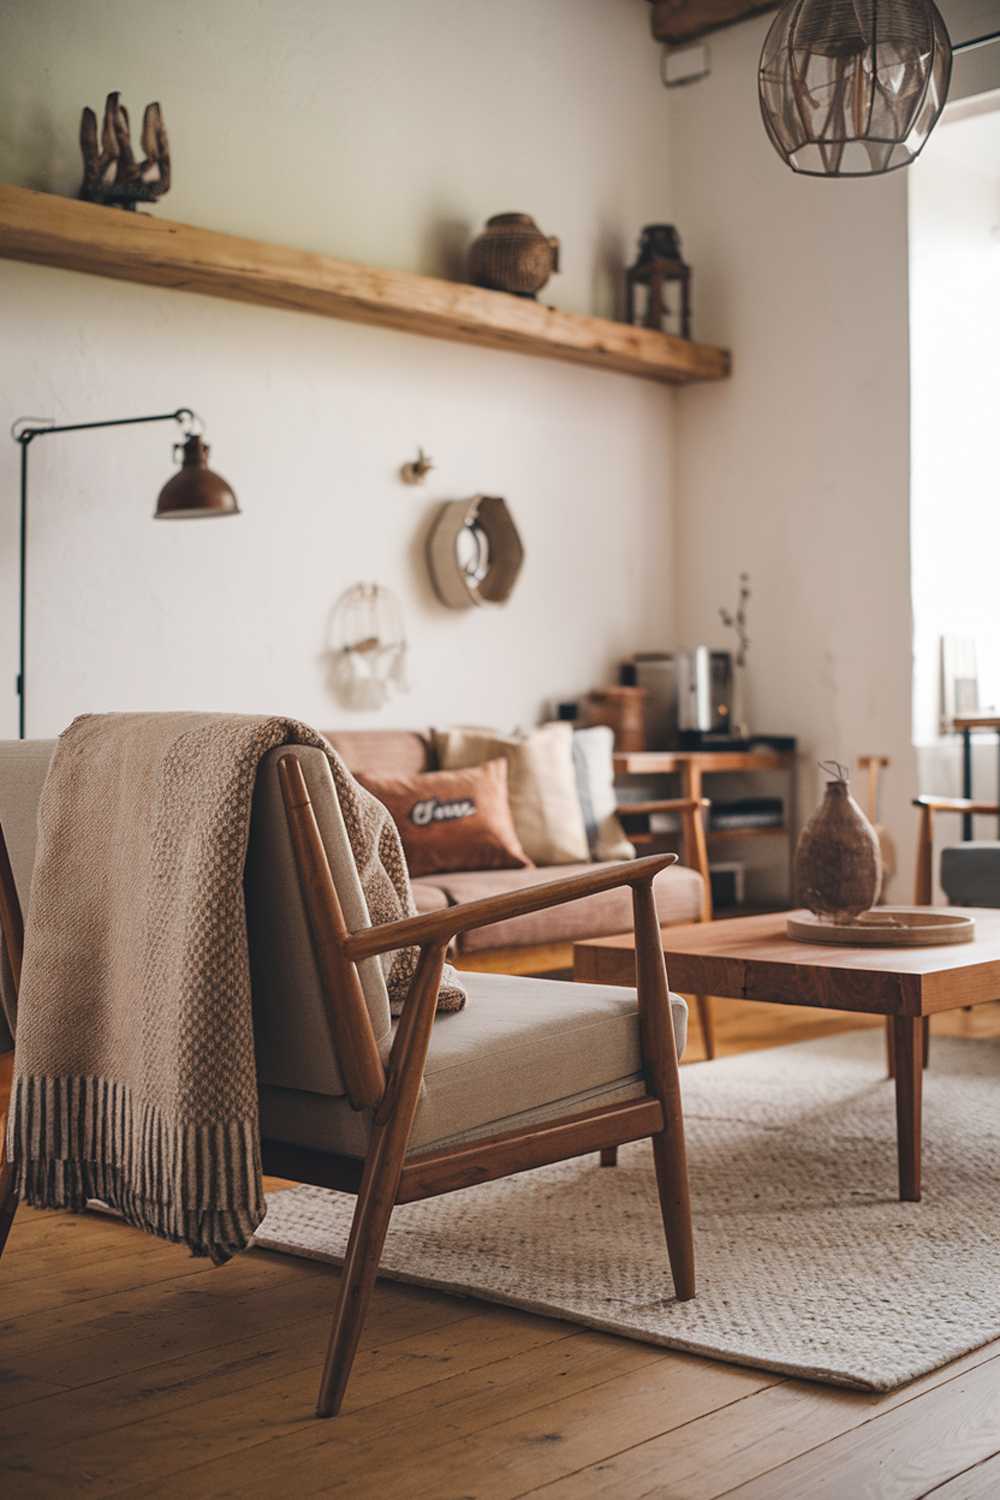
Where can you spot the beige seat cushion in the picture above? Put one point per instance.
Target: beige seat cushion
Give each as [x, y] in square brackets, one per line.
[678, 893]
[521, 1051]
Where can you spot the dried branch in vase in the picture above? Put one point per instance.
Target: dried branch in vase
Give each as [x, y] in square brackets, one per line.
[111, 174]
[738, 621]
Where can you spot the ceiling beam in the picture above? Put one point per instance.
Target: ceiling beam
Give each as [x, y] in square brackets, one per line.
[677, 22]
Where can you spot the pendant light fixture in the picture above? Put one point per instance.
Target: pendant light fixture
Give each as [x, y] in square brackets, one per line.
[853, 88]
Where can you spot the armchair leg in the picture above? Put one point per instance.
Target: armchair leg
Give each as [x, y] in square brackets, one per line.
[670, 1161]
[8, 1202]
[391, 1126]
[8, 1199]
[659, 1050]
[609, 1156]
[364, 1250]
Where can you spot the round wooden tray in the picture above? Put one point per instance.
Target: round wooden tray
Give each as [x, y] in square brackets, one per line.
[887, 927]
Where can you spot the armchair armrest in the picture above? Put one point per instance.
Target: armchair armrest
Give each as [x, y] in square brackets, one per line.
[926, 807]
[439, 927]
[955, 805]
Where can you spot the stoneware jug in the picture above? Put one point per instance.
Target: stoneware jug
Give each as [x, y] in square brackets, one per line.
[513, 255]
[838, 867]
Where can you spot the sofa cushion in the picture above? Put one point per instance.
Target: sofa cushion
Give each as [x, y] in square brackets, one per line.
[678, 892]
[427, 897]
[521, 1051]
[383, 752]
[541, 782]
[594, 765]
[452, 820]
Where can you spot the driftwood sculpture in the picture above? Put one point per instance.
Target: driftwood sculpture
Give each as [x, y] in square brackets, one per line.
[111, 173]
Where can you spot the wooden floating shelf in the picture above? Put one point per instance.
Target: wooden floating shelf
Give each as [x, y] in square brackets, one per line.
[52, 231]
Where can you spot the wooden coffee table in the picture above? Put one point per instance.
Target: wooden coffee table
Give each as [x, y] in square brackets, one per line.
[750, 958]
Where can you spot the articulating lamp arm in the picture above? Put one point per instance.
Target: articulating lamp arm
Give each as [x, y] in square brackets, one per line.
[24, 432]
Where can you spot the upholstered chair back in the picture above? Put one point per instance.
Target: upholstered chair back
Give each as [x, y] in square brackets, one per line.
[294, 1045]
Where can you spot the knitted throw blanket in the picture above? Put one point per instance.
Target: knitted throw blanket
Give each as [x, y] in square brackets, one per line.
[135, 1079]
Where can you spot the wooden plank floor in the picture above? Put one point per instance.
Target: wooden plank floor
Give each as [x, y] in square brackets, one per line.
[128, 1369]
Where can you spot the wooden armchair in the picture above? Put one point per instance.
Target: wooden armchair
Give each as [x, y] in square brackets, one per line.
[927, 807]
[382, 1139]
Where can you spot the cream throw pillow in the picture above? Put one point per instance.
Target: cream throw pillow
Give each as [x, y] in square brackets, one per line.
[593, 761]
[541, 782]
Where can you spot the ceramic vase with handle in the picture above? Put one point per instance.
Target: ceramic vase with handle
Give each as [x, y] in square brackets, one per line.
[513, 255]
[838, 867]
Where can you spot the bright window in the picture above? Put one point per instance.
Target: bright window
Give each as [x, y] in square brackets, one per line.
[955, 411]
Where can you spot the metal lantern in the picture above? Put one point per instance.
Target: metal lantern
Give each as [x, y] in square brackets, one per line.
[853, 88]
[658, 263]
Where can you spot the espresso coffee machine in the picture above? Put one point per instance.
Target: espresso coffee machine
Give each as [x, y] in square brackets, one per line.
[704, 698]
[689, 698]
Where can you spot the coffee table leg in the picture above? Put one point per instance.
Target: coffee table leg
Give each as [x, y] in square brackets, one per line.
[908, 1045]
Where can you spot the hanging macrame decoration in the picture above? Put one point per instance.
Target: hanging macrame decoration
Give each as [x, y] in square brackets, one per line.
[368, 647]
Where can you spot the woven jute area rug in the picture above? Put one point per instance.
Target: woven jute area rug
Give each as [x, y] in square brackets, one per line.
[807, 1263]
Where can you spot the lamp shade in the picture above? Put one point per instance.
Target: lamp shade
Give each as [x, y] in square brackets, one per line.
[195, 491]
[853, 88]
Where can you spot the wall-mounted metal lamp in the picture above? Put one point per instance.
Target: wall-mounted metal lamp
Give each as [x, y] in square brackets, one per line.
[192, 493]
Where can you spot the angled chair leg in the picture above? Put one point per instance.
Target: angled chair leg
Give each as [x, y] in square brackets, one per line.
[393, 1121]
[371, 1222]
[12, 928]
[659, 1051]
[8, 1202]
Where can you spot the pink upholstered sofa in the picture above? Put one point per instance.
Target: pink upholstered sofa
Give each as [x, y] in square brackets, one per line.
[533, 944]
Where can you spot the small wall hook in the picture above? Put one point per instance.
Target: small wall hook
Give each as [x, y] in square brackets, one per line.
[417, 470]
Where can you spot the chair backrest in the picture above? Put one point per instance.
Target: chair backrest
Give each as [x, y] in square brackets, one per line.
[23, 768]
[294, 1043]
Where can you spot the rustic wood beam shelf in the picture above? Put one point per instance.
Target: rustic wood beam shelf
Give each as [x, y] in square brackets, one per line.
[53, 231]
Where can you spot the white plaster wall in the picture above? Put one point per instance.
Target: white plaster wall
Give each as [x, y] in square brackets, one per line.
[955, 314]
[383, 132]
[797, 470]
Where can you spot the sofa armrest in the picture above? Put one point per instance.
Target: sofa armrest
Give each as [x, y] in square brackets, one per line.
[439, 927]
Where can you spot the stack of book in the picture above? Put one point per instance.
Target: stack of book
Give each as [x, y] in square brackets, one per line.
[747, 812]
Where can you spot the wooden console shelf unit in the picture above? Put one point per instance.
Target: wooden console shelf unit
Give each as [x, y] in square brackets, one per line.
[693, 766]
[52, 231]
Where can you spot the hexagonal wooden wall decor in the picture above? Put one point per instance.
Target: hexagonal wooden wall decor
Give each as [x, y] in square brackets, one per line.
[474, 552]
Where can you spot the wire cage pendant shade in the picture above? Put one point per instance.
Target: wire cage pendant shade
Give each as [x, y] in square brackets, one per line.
[853, 88]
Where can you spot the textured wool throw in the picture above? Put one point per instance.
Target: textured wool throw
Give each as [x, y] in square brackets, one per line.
[134, 1075]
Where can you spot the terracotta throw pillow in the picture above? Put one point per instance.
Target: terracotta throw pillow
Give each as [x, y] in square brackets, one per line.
[543, 795]
[452, 820]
